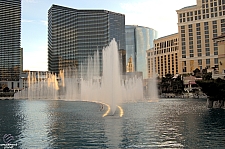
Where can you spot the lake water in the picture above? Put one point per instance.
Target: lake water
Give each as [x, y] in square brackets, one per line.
[169, 123]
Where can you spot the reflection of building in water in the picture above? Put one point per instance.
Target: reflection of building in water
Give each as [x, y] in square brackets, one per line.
[130, 65]
[75, 35]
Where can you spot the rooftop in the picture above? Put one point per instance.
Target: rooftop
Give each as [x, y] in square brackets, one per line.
[187, 7]
[166, 36]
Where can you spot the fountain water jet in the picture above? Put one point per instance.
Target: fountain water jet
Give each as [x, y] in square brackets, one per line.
[88, 84]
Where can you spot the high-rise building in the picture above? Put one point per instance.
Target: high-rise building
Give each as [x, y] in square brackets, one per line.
[10, 30]
[197, 26]
[139, 39]
[163, 58]
[74, 35]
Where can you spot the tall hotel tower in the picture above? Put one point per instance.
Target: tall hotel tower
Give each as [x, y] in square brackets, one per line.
[198, 25]
[139, 39]
[74, 35]
[10, 29]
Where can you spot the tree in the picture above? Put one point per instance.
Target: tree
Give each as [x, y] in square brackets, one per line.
[207, 76]
[215, 89]
[178, 85]
[6, 89]
[166, 83]
[197, 73]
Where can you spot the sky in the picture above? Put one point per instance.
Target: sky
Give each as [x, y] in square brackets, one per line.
[157, 14]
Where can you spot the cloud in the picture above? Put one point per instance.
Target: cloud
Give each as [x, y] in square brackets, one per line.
[27, 21]
[30, 1]
[44, 22]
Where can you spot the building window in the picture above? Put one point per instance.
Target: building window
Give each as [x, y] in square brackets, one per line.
[197, 24]
[180, 15]
[207, 61]
[206, 32]
[211, 4]
[215, 60]
[199, 62]
[196, 18]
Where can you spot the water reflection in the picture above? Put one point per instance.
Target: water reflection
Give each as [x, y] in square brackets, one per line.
[11, 120]
[34, 130]
[169, 123]
[76, 124]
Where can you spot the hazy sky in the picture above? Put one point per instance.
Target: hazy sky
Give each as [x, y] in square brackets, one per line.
[157, 14]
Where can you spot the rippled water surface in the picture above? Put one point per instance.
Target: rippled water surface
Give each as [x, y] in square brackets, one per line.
[169, 123]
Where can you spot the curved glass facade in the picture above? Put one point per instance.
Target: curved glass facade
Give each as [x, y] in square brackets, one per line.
[138, 40]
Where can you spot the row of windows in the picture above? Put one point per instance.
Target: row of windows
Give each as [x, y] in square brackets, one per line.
[167, 43]
[207, 62]
[205, 13]
[198, 33]
[211, 1]
[163, 68]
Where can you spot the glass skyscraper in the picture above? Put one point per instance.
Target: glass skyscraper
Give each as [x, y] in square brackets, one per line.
[138, 40]
[10, 30]
[74, 35]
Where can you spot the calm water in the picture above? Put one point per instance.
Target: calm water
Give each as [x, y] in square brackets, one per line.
[169, 123]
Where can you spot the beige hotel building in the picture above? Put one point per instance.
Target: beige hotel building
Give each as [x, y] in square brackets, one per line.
[163, 58]
[197, 26]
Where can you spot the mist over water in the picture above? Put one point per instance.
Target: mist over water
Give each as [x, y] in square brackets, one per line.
[89, 84]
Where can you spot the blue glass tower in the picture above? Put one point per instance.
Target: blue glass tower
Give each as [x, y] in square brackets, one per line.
[138, 40]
